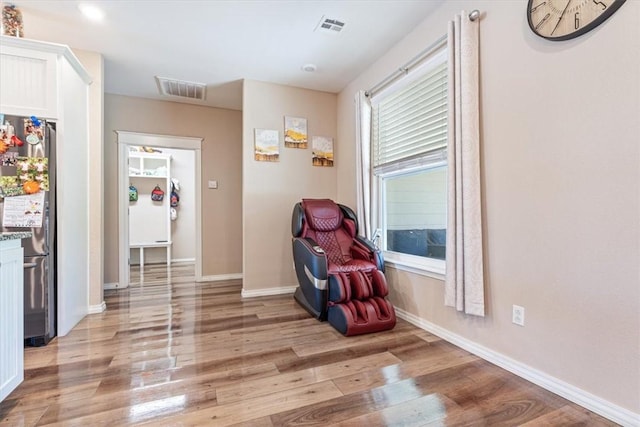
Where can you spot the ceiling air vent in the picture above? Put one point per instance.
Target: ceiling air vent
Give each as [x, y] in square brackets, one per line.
[181, 88]
[330, 25]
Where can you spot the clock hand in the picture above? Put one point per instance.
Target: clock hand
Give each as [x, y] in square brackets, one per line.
[541, 23]
[536, 8]
[561, 15]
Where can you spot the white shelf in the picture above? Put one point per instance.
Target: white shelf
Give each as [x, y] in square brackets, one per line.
[150, 221]
[150, 245]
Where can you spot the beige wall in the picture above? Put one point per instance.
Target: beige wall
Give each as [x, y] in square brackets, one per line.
[270, 190]
[221, 160]
[94, 64]
[560, 171]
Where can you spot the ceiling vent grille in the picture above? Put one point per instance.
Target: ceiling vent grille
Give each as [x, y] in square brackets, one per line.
[330, 25]
[181, 88]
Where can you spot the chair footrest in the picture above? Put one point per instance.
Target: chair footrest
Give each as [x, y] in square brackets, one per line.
[362, 317]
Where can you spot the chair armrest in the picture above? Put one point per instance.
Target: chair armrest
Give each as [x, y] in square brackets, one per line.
[309, 256]
[362, 244]
[366, 243]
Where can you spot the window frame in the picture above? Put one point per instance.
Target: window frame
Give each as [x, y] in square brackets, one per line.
[432, 267]
[425, 266]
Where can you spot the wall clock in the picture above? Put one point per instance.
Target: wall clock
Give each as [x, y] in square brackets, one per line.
[565, 19]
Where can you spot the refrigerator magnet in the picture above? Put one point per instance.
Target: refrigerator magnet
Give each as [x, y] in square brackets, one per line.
[33, 130]
[8, 158]
[32, 139]
[10, 186]
[34, 169]
[16, 142]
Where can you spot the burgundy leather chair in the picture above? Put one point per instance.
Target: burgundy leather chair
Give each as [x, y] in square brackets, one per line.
[341, 274]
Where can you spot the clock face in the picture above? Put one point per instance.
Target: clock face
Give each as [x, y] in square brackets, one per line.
[566, 19]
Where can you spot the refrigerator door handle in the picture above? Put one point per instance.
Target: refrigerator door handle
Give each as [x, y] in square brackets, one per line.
[46, 227]
[29, 265]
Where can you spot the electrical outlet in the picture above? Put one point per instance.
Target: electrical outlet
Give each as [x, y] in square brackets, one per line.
[518, 315]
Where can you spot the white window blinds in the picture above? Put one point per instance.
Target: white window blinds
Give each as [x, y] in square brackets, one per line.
[411, 123]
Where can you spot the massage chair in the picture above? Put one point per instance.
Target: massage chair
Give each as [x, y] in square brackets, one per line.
[340, 274]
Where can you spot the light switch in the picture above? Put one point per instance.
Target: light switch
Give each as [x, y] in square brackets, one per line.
[213, 184]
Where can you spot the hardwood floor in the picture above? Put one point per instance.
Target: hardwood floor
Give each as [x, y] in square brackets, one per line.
[169, 351]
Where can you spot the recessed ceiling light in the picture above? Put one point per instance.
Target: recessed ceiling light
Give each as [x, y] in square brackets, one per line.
[309, 68]
[91, 12]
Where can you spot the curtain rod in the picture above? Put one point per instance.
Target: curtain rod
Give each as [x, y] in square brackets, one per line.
[404, 69]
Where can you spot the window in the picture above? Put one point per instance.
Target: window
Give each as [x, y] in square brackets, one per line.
[409, 142]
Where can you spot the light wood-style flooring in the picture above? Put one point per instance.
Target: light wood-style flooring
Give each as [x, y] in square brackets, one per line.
[172, 352]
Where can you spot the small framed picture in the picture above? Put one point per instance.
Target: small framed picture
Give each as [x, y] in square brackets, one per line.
[295, 132]
[267, 145]
[322, 148]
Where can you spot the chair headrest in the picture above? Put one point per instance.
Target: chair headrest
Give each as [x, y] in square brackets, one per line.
[322, 214]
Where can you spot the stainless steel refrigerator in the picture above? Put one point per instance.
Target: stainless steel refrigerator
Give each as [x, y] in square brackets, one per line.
[39, 250]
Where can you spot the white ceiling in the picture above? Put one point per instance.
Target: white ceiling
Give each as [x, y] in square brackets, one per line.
[220, 42]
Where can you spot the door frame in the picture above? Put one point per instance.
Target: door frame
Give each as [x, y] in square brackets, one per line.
[126, 139]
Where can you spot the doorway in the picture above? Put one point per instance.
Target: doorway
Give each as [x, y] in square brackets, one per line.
[128, 142]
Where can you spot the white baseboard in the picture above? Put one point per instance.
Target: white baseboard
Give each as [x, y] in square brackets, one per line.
[220, 277]
[98, 308]
[570, 392]
[268, 292]
[115, 285]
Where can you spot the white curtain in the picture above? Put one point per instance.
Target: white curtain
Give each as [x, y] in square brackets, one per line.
[363, 163]
[464, 283]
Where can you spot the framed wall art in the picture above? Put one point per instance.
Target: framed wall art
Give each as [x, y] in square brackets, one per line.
[295, 132]
[322, 148]
[267, 145]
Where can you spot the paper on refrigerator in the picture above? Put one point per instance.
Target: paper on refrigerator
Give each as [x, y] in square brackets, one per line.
[24, 211]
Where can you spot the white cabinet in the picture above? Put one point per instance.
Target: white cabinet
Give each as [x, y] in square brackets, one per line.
[30, 76]
[11, 317]
[47, 80]
[29, 81]
[149, 220]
